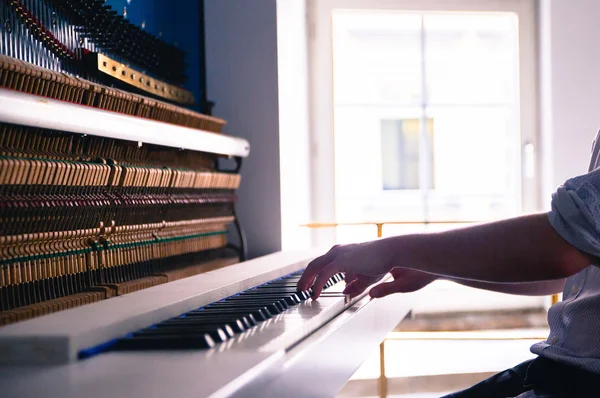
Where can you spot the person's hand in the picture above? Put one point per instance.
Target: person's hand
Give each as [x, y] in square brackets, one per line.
[365, 263]
[405, 281]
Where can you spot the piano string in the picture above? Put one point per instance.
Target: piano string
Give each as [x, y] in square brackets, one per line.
[84, 218]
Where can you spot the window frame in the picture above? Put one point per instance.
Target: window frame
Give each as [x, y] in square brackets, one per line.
[322, 161]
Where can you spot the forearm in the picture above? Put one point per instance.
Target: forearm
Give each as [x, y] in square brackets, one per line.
[507, 256]
[543, 288]
[522, 249]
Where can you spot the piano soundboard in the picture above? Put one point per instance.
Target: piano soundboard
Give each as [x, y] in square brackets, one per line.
[117, 274]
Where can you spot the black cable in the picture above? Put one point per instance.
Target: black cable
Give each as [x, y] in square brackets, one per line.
[243, 248]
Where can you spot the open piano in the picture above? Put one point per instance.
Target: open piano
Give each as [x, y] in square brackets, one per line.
[117, 277]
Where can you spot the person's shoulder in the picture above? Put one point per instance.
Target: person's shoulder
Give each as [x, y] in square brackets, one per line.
[595, 159]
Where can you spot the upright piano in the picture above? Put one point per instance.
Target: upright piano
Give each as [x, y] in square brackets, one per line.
[117, 272]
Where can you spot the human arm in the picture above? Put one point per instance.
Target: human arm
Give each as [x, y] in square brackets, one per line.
[530, 248]
[540, 288]
[407, 280]
[521, 249]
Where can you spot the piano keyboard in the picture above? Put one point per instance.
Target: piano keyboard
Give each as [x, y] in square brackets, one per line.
[205, 327]
[220, 356]
[84, 329]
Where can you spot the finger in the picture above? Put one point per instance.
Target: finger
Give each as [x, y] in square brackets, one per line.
[387, 288]
[349, 277]
[322, 279]
[309, 274]
[398, 286]
[356, 287]
[384, 289]
[312, 269]
[360, 284]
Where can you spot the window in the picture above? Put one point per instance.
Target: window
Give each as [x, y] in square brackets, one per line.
[380, 68]
[400, 153]
[391, 70]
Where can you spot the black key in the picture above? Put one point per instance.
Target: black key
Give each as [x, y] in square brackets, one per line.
[259, 313]
[192, 328]
[218, 334]
[228, 311]
[247, 321]
[158, 342]
[281, 285]
[293, 299]
[235, 324]
[293, 288]
[290, 298]
[274, 306]
[273, 289]
[203, 321]
[288, 292]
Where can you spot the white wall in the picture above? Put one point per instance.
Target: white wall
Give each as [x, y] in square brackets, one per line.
[242, 68]
[570, 88]
[241, 53]
[292, 51]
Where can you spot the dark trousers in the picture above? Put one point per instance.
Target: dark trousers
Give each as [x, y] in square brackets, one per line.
[542, 377]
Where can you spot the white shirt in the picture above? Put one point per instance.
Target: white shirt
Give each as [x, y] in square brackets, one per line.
[575, 321]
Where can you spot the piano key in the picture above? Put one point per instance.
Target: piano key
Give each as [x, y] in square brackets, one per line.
[259, 314]
[216, 324]
[305, 294]
[372, 323]
[291, 299]
[86, 327]
[247, 321]
[236, 325]
[219, 333]
[233, 305]
[295, 323]
[249, 300]
[158, 342]
[274, 307]
[151, 363]
[179, 328]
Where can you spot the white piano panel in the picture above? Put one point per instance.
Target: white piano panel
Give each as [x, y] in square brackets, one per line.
[35, 111]
[180, 374]
[322, 364]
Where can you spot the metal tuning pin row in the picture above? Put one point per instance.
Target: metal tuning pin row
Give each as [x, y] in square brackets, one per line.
[28, 78]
